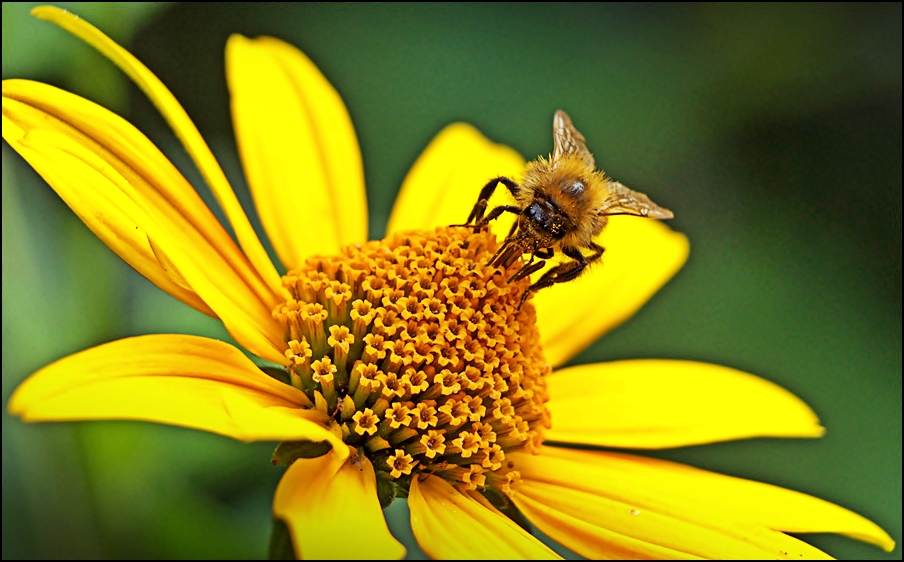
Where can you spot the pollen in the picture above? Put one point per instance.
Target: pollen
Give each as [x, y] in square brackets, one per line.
[417, 349]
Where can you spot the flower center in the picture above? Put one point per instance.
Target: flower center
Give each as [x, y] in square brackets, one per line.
[416, 350]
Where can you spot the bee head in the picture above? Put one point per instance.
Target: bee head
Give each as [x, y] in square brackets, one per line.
[546, 218]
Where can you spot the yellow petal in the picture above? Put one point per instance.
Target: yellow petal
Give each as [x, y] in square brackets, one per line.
[641, 256]
[599, 527]
[187, 381]
[109, 222]
[653, 404]
[449, 524]
[127, 193]
[298, 148]
[443, 185]
[188, 134]
[631, 487]
[331, 508]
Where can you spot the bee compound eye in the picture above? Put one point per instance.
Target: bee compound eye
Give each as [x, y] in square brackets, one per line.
[536, 213]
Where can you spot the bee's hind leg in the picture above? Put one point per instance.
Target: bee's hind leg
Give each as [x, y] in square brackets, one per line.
[483, 200]
[565, 271]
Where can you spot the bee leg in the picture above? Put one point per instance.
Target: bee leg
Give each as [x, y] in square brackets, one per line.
[566, 271]
[527, 269]
[514, 209]
[544, 253]
[530, 267]
[597, 253]
[484, 198]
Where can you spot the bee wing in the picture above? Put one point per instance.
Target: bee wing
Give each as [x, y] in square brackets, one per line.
[568, 141]
[624, 201]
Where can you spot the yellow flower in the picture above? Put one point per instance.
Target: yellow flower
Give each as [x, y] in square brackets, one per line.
[408, 369]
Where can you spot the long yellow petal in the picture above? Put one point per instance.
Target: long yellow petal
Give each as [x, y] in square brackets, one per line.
[127, 193]
[599, 527]
[632, 487]
[182, 125]
[187, 381]
[653, 404]
[331, 508]
[641, 256]
[299, 149]
[449, 524]
[111, 225]
[160, 184]
[443, 185]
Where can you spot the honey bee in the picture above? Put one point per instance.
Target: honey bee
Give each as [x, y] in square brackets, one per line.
[563, 203]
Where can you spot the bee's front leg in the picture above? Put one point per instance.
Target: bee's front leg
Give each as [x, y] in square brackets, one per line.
[483, 200]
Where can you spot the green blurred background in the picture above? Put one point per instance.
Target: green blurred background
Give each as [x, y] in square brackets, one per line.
[772, 131]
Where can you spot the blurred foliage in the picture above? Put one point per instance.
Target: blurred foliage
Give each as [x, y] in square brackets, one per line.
[773, 131]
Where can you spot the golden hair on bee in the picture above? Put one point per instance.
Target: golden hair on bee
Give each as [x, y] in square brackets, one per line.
[563, 204]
